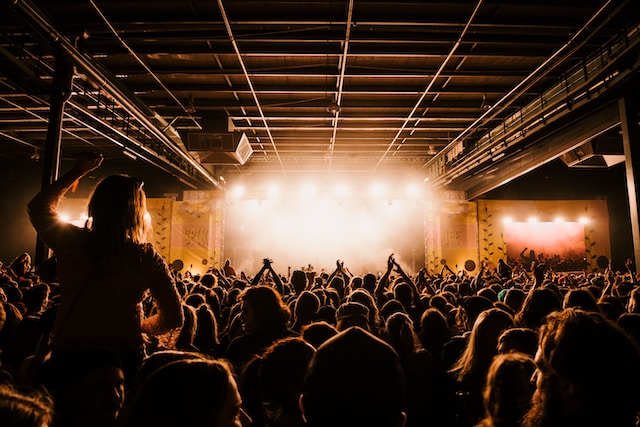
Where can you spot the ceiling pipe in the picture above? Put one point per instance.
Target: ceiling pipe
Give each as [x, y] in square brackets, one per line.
[37, 18]
[525, 83]
[141, 62]
[340, 85]
[227, 25]
[429, 86]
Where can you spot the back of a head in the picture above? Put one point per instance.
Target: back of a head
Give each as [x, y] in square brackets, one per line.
[307, 305]
[369, 282]
[298, 281]
[597, 359]
[400, 334]
[514, 298]
[270, 311]
[540, 303]
[508, 390]
[352, 313]
[354, 379]
[521, 340]
[434, 331]
[580, 298]
[474, 305]
[282, 372]
[316, 333]
[403, 292]
[183, 392]
[630, 322]
[19, 409]
[117, 209]
[390, 307]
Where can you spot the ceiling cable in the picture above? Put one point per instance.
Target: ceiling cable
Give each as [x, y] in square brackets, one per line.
[340, 83]
[429, 86]
[227, 25]
[141, 62]
[524, 83]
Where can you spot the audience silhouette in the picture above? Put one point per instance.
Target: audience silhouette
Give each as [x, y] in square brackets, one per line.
[136, 343]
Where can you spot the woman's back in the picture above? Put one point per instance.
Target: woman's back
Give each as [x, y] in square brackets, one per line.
[105, 268]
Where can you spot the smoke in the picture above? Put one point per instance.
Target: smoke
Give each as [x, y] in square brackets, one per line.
[303, 234]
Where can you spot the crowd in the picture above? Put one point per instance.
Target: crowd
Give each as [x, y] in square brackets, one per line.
[113, 337]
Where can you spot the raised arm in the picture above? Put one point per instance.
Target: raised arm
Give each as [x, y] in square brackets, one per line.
[42, 209]
[406, 278]
[382, 284]
[631, 270]
[256, 279]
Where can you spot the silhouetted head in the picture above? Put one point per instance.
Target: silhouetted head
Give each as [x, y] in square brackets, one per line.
[354, 379]
[117, 210]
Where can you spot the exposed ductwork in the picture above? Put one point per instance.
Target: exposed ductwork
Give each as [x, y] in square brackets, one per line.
[153, 122]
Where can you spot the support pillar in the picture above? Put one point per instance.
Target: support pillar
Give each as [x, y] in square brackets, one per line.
[629, 116]
[60, 94]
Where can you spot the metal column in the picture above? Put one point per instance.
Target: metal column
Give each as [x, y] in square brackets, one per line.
[629, 116]
[60, 94]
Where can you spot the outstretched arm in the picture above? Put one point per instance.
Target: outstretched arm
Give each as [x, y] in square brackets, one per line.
[276, 277]
[406, 278]
[423, 283]
[381, 286]
[256, 279]
[631, 270]
[266, 265]
[42, 208]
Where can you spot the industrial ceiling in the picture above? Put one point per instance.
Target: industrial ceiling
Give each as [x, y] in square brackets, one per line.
[467, 94]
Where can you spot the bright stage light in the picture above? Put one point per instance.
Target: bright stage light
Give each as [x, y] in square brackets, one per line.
[532, 219]
[307, 191]
[342, 191]
[507, 220]
[377, 190]
[255, 203]
[238, 191]
[412, 190]
[65, 217]
[558, 219]
[273, 191]
[583, 220]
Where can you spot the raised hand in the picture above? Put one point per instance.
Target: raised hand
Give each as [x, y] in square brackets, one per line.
[88, 161]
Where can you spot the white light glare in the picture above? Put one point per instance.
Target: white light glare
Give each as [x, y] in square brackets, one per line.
[342, 190]
[532, 219]
[273, 191]
[413, 190]
[583, 220]
[507, 220]
[238, 191]
[558, 219]
[307, 191]
[377, 190]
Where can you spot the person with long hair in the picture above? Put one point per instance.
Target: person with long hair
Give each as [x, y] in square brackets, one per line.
[265, 319]
[195, 392]
[470, 371]
[105, 268]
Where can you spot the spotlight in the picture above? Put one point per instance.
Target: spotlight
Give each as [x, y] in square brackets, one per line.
[377, 190]
[413, 190]
[238, 191]
[342, 190]
[273, 191]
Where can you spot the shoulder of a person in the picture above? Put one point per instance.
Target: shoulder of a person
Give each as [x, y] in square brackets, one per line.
[147, 249]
